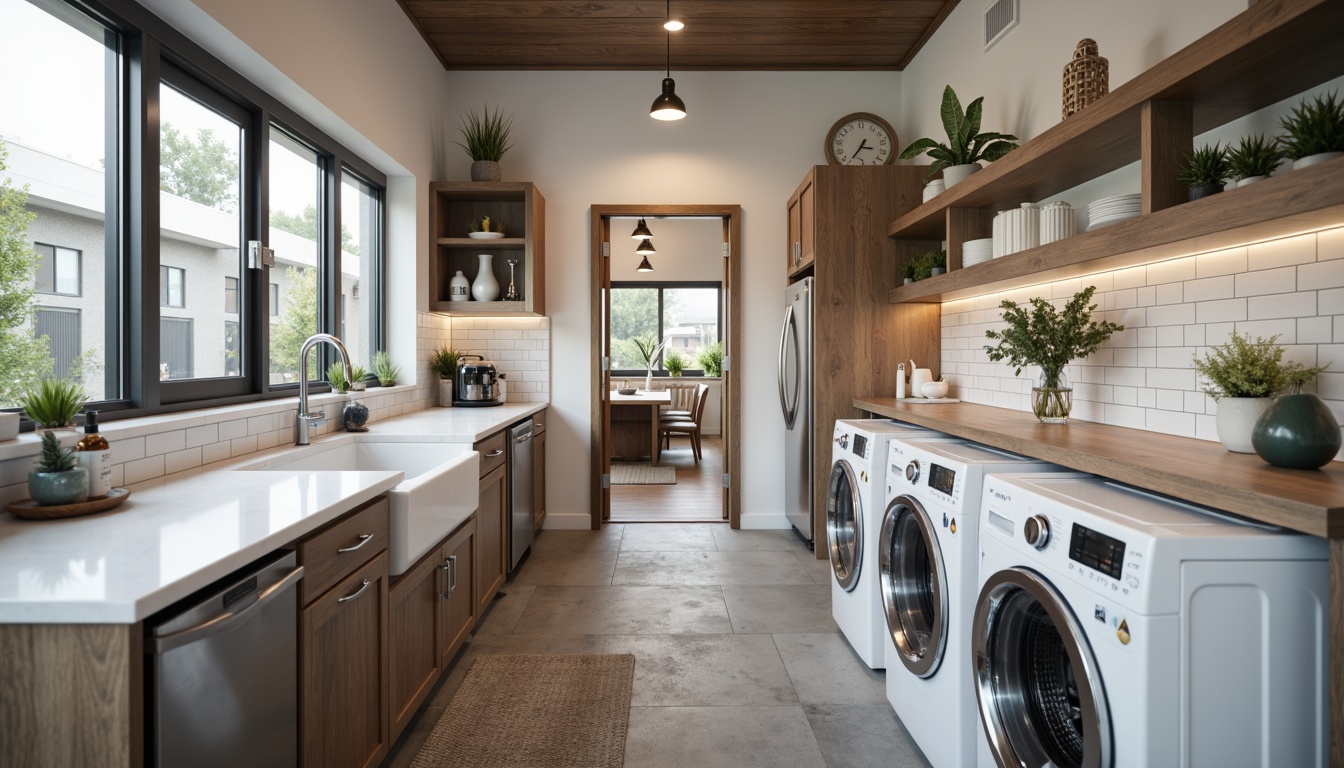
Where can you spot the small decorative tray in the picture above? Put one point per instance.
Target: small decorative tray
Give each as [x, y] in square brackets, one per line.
[31, 510]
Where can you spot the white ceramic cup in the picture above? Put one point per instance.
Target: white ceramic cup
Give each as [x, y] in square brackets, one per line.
[918, 378]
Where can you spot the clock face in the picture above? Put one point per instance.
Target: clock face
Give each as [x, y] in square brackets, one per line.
[861, 139]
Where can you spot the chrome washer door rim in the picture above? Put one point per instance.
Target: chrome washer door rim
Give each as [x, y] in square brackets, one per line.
[924, 661]
[1000, 704]
[844, 538]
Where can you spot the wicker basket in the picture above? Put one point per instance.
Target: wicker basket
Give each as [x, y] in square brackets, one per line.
[1086, 78]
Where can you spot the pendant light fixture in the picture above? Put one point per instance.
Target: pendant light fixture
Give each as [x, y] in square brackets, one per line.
[645, 248]
[668, 106]
[672, 25]
[644, 266]
[641, 232]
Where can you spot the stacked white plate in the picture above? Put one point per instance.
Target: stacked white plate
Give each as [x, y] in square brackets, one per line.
[1109, 210]
[976, 251]
[933, 189]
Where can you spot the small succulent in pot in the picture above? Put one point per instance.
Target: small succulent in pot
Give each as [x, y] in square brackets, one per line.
[384, 369]
[966, 145]
[1205, 171]
[486, 137]
[1254, 158]
[336, 375]
[1314, 130]
[57, 478]
[53, 403]
[358, 374]
[926, 265]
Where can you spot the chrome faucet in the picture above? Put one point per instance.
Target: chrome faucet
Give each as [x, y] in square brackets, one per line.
[306, 420]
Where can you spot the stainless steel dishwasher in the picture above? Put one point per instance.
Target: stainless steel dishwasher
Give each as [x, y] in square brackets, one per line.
[521, 517]
[223, 672]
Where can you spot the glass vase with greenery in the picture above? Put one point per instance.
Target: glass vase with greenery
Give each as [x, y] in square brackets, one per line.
[53, 403]
[1050, 339]
[710, 359]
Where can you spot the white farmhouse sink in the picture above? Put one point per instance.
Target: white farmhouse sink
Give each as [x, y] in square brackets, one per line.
[439, 493]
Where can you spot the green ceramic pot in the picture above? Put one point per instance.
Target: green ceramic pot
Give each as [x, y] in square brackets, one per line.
[55, 488]
[1297, 432]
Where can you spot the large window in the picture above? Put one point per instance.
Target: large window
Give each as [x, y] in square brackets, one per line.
[132, 166]
[684, 317]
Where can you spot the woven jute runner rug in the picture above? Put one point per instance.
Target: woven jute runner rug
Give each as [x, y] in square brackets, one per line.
[535, 712]
[643, 474]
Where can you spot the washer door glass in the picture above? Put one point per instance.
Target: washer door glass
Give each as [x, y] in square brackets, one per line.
[844, 525]
[914, 585]
[1040, 694]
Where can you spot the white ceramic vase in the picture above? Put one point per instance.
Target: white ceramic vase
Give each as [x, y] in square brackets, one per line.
[1303, 162]
[459, 288]
[1236, 421]
[957, 173]
[485, 287]
[1056, 222]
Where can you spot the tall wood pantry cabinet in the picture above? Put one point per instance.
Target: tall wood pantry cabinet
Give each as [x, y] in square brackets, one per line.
[837, 227]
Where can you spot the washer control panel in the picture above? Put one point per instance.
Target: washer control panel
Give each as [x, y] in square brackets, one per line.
[1098, 551]
[1036, 530]
[860, 446]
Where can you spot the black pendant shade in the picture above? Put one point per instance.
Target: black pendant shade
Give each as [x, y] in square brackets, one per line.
[644, 266]
[641, 232]
[668, 105]
[645, 248]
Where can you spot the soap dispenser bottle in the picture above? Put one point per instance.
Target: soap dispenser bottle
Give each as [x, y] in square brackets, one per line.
[95, 455]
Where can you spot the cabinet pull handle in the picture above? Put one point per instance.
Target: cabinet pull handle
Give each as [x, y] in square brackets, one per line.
[447, 590]
[494, 453]
[348, 598]
[363, 539]
[452, 561]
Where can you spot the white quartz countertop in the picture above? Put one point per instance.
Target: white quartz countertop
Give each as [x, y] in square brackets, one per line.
[180, 533]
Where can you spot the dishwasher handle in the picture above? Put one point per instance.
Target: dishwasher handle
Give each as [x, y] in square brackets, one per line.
[224, 621]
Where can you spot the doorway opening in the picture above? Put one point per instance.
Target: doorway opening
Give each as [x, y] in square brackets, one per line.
[665, 322]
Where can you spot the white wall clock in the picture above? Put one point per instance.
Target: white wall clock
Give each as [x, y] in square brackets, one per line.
[861, 139]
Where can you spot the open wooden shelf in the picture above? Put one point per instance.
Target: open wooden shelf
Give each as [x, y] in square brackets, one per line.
[516, 205]
[1268, 53]
[471, 244]
[1199, 471]
[1292, 202]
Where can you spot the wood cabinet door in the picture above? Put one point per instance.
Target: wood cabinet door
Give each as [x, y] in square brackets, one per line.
[795, 242]
[343, 700]
[414, 602]
[807, 232]
[492, 520]
[539, 477]
[457, 608]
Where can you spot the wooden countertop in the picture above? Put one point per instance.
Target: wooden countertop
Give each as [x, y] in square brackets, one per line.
[1311, 501]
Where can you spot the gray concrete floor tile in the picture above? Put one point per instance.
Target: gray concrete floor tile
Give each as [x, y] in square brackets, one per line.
[567, 568]
[625, 611]
[706, 670]
[506, 609]
[721, 737]
[777, 541]
[675, 568]
[863, 736]
[668, 537]
[825, 670]
[609, 538]
[818, 570]
[769, 608]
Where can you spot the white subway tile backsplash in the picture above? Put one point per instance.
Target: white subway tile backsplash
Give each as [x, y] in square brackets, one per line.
[165, 442]
[228, 430]
[203, 435]
[1174, 314]
[1281, 305]
[1315, 330]
[1170, 293]
[1322, 274]
[1285, 329]
[1330, 244]
[1228, 262]
[1172, 271]
[1210, 288]
[143, 469]
[1281, 280]
[1224, 311]
[1283, 252]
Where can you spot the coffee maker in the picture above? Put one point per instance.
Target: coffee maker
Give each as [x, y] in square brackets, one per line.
[476, 384]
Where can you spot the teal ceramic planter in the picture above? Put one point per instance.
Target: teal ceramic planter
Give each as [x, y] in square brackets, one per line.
[1297, 432]
[55, 488]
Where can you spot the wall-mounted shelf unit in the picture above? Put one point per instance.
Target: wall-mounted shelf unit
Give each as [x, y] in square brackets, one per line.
[522, 211]
[1268, 53]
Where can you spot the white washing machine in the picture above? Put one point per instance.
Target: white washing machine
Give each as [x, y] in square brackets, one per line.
[927, 560]
[1120, 628]
[853, 500]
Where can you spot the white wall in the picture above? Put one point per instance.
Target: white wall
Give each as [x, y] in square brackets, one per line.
[586, 138]
[688, 249]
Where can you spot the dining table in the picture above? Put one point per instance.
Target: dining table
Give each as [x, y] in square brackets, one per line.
[634, 423]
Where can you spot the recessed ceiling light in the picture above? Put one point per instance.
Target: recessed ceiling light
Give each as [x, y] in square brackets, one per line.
[672, 25]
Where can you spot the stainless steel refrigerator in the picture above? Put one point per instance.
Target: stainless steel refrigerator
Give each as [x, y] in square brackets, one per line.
[795, 400]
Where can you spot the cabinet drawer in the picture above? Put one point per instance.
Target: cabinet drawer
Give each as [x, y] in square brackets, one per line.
[539, 422]
[492, 452]
[337, 550]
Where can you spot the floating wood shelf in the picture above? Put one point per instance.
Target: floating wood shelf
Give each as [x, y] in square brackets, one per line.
[1199, 471]
[1268, 53]
[1292, 202]
[471, 244]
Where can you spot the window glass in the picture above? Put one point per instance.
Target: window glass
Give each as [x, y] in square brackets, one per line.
[361, 244]
[57, 119]
[200, 203]
[682, 317]
[231, 295]
[232, 348]
[295, 227]
[690, 321]
[634, 321]
[275, 300]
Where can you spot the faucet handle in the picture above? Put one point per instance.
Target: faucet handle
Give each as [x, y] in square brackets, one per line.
[315, 417]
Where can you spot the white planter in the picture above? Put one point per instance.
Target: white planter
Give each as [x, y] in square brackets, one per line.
[1249, 180]
[9, 425]
[445, 393]
[1236, 420]
[1303, 162]
[957, 173]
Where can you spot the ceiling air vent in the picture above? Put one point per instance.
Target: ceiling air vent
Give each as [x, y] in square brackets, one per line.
[1000, 18]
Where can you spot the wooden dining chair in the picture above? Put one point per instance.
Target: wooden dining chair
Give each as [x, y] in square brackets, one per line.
[668, 427]
[683, 401]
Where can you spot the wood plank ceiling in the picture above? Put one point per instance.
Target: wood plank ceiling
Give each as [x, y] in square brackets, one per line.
[719, 34]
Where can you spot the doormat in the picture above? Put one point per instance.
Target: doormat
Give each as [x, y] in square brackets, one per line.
[642, 474]
[535, 712]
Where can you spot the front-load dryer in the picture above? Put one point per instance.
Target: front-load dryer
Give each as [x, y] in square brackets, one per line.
[853, 498]
[927, 560]
[1117, 628]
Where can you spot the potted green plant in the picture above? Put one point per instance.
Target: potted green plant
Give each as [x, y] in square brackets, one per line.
[384, 369]
[52, 403]
[1242, 376]
[966, 146]
[925, 265]
[58, 477]
[1314, 131]
[1298, 431]
[674, 362]
[484, 228]
[443, 362]
[358, 374]
[1205, 171]
[336, 376]
[486, 138]
[1050, 338]
[1254, 159]
[710, 359]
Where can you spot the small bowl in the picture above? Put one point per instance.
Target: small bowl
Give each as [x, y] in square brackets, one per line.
[485, 235]
[627, 391]
[934, 390]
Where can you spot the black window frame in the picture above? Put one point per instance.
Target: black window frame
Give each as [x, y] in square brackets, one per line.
[661, 286]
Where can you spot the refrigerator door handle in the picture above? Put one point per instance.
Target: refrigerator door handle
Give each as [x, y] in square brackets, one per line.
[783, 347]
